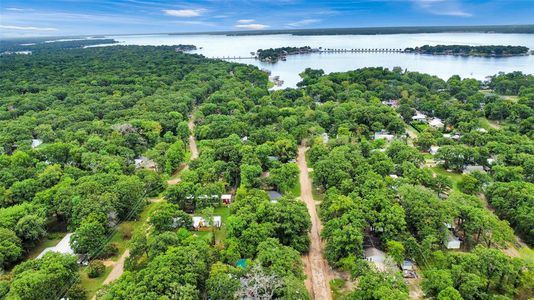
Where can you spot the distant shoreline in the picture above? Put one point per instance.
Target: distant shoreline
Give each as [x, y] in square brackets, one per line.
[505, 29]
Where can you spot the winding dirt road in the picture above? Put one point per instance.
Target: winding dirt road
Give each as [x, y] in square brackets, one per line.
[316, 267]
[118, 267]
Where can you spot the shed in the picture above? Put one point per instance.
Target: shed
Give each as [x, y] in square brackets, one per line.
[217, 221]
[226, 198]
[325, 138]
[453, 242]
[62, 247]
[472, 168]
[198, 222]
[274, 196]
[436, 123]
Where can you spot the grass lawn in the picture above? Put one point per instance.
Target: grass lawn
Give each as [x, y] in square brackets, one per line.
[455, 177]
[49, 241]
[527, 254]
[92, 285]
[220, 234]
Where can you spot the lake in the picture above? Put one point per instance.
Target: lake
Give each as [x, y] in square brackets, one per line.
[441, 66]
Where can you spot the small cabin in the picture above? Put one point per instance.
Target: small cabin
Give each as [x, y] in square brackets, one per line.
[226, 199]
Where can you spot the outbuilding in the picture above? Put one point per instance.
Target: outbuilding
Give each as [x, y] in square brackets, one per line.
[226, 198]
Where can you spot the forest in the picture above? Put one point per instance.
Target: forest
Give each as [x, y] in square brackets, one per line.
[98, 143]
[465, 50]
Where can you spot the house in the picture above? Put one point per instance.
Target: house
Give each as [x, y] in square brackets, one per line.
[481, 130]
[36, 143]
[384, 135]
[419, 117]
[436, 123]
[391, 103]
[274, 196]
[377, 257]
[472, 168]
[447, 135]
[273, 158]
[433, 150]
[245, 138]
[62, 247]
[226, 198]
[453, 242]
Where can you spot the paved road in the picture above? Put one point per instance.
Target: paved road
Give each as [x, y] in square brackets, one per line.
[316, 267]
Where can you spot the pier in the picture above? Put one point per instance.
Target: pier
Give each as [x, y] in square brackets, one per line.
[328, 50]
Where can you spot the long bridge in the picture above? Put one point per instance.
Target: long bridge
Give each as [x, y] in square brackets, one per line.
[328, 50]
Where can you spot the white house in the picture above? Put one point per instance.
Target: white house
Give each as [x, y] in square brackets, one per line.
[481, 130]
[384, 135]
[453, 242]
[419, 117]
[144, 163]
[36, 143]
[198, 222]
[433, 149]
[62, 247]
[436, 123]
[274, 196]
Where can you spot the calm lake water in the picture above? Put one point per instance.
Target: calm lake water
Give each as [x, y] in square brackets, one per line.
[442, 66]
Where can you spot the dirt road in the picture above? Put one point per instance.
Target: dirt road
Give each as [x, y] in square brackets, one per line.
[316, 267]
[194, 152]
[118, 268]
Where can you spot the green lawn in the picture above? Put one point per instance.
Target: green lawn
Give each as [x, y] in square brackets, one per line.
[92, 285]
[527, 254]
[455, 177]
[220, 234]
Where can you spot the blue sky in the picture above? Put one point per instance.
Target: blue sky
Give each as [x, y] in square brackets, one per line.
[83, 17]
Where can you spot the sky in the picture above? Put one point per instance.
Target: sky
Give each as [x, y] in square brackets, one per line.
[28, 18]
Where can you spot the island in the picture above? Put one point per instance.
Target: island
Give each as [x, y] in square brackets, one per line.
[466, 50]
[273, 55]
[185, 48]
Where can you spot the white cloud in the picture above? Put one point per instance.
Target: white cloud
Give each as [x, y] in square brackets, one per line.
[246, 21]
[303, 22]
[31, 28]
[14, 9]
[252, 26]
[184, 13]
[443, 7]
[200, 23]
